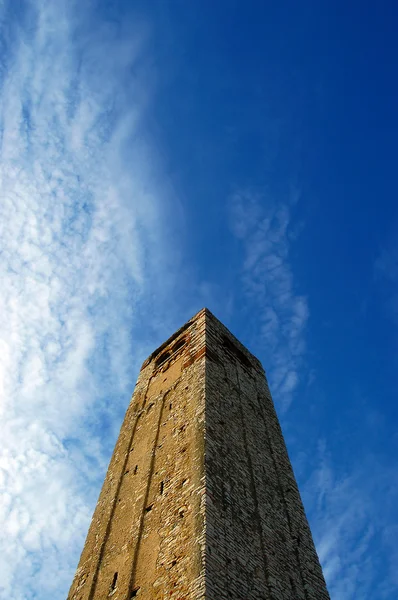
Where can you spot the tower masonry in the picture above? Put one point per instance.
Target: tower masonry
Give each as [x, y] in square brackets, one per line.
[200, 501]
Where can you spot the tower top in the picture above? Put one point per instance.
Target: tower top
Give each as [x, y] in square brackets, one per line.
[210, 322]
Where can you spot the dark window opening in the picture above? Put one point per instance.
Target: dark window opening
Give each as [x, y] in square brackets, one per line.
[178, 345]
[237, 352]
[114, 581]
[173, 564]
[171, 406]
[149, 508]
[166, 355]
[162, 359]
[134, 592]
[161, 487]
[126, 472]
[135, 469]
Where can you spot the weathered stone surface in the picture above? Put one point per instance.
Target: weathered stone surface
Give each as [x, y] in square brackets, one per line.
[200, 501]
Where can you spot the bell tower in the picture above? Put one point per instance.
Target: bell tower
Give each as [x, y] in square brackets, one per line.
[200, 500]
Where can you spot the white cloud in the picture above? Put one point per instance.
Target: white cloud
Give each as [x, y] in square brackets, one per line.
[351, 513]
[263, 227]
[79, 230]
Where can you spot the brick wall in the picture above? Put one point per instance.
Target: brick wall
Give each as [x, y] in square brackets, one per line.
[258, 543]
[147, 533]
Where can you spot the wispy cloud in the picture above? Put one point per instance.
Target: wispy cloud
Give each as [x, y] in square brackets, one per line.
[352, 513]
[262, 225]
[80, 230]
[351, 506]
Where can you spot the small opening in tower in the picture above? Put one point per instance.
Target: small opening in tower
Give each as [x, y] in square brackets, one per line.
[171, 405]
[178, 345]
[162, 359]
[114, 582]
[134, 593]
[135, 469]
[232, 348]
[161, 487]
[149, 508]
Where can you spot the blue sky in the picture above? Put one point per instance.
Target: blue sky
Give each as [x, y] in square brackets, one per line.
[158, 157]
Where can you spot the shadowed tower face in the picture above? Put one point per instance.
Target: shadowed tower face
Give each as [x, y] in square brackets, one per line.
[200, 500]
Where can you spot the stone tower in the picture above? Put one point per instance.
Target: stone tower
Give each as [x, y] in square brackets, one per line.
[200, 500]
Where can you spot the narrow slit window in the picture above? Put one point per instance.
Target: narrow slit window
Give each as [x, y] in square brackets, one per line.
[135, 469]
[114, 582]
[161, 487]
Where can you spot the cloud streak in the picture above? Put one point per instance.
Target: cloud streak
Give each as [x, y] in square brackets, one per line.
[350, 506]
[352, 512]
[262, 227]
[80, 230]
